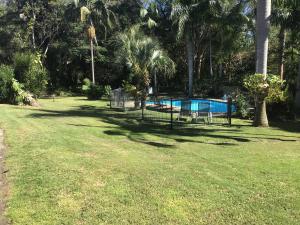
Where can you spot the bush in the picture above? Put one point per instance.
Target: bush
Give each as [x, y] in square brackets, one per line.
[93, 91]
[6, 75]
[260, 88]
[30, 72]
[62, 92]
[107, 90]
[18, 96]
[86, 85]
[21, 65]
[242, 106]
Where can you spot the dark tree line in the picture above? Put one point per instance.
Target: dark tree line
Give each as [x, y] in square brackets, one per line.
[211, 42]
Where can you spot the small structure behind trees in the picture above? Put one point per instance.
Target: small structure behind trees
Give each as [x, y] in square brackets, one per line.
[122, 99]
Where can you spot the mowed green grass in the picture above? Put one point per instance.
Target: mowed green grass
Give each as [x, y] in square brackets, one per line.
[74, 161]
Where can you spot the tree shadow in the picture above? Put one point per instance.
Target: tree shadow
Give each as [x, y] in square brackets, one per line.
[290, 126]
[133, 128]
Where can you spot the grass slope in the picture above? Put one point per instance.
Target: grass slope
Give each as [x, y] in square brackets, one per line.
[74, 161]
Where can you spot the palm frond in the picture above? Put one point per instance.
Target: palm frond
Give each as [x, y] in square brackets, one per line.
[84, 13]
[180, 15]
[142, 54]
[143, 12]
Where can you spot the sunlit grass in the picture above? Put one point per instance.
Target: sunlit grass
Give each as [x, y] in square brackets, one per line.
[74, 161]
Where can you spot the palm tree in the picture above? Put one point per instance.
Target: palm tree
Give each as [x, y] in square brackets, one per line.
[143, 56]
[295, 31]
[282, 16]
[161, 63]
[229, 19]
[182, 14]
[262, 41]
[94, 14]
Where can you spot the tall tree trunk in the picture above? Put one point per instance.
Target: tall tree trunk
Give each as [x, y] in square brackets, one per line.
[220, 70]
[282, 40]
[190, 59]
[198, 75]
[297, 97]
[261, 113]
[32, 33]
[262, 41]
[222, 53]
[262, 31]
[92, 57]
[210, 57]
[155, 84]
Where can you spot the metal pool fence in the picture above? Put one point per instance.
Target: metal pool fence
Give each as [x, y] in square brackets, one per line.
[185, 112]
[176, 112]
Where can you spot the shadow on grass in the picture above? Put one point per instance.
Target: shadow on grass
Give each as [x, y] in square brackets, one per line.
[133, 128]
[290, 126]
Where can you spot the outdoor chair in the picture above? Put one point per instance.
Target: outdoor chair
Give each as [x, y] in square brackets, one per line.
[204, 112]
[186, 109]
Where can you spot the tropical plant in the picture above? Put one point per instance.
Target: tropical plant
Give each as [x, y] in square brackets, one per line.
[143, 55]
[6, 75]
[144, 15]
[30, 72]
[264, 89]
[86, 85]
[284, 18]
[107, 90]
[94, 92]
[182, 13]
[242, 106]
[95, 14]
[18, 96]
[227, 22]
[131, 90]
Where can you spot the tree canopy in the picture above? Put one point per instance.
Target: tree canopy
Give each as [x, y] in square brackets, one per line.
[212, 43]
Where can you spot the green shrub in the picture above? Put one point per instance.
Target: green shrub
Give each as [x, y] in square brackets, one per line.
[62, 92]
[17, 95]
[86, 85]
[95, 92]
[277, 91]
[107, 90]
[6, 75]
[270, 88]
[242, 106]
[131, 89]
[86, 81]
[30, 72]
[22, 63]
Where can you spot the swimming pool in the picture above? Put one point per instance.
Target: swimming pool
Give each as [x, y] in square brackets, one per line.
[215, 105]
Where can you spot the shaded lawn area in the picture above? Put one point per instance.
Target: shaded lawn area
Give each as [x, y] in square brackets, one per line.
[74, 161]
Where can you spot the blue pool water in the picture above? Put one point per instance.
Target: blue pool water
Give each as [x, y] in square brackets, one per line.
[215, 106]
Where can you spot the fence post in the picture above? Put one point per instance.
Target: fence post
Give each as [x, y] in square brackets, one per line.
[229, 110]
[124, 103]
[142, 113]
[171, 114]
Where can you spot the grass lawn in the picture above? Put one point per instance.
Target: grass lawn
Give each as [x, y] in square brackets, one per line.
[74, 161]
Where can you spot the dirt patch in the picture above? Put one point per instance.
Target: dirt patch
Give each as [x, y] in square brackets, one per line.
[3, 183]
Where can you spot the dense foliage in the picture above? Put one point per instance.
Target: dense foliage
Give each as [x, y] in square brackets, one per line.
[6, 75]
[94, 91]
[30, 71]
[211, 43]
[260, 87]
